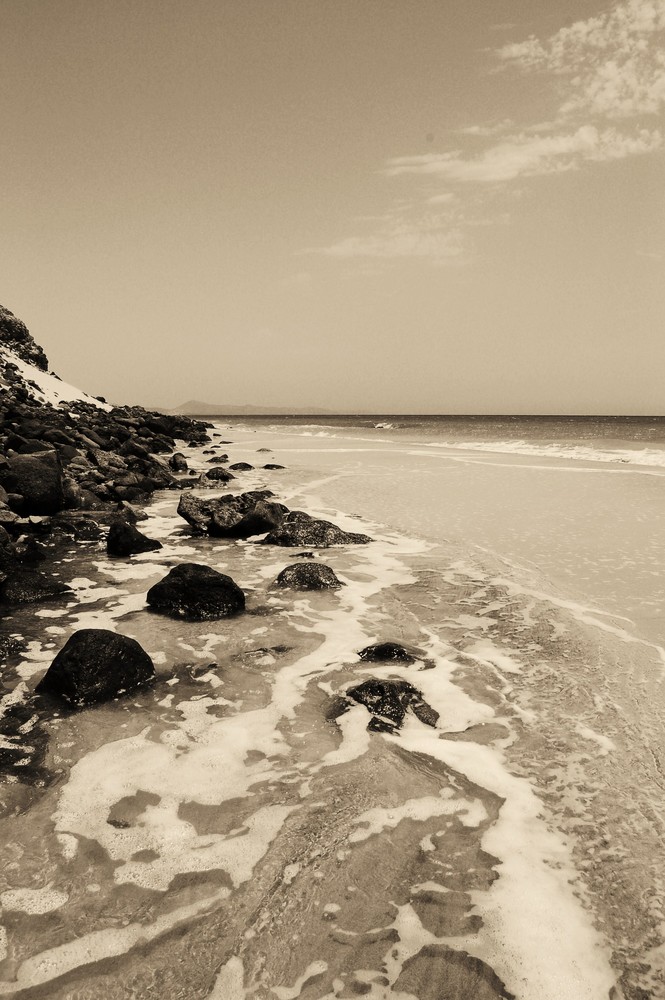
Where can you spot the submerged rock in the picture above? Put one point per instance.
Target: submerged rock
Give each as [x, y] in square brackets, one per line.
[96, 665]
[26, 585]
[388, 701]
[241, 467]
[197, 592]
[308, 576]
[299, 529]
[383, 652]
[125, 540]
[273, 465]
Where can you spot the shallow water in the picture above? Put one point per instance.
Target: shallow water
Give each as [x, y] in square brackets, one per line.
[215, 835]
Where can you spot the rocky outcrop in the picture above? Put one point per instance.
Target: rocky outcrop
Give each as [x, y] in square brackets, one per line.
[299, 529]
[125, 540]
[388, 702]
[308, 576]
[15, 335]
[96, 665]
[196, 592]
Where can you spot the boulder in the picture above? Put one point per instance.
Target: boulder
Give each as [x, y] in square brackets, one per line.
[38, 480]
[388, 701]
[125, 540]
[196, 592]
[299, 529]
[385, 652]
[96, 665]
[228, 510]
[271, 465]
[241, 467]
[178, 462]
[257, 520]
[216, 475]
[308, 576]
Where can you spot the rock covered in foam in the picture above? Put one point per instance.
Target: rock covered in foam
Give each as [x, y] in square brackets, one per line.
[308, 576]
[125, 540]
[388, 701]
[96, 665]
[197, 592]
[232, 516]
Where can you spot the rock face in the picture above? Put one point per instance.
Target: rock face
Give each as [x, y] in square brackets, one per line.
[299, 529]
[96, 665]
[308, 576]
[125, 540]
[384, 652]
[196, 592]
[15, 334]
[388, 702]
[37, 480]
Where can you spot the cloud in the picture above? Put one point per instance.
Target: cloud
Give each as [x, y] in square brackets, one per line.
[612, 65]
[606, 77]
[529, 155]
[441, 246]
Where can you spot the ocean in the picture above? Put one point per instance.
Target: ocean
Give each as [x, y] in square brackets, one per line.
[226, 834]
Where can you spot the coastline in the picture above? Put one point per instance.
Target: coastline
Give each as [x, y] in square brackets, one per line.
[488, 825]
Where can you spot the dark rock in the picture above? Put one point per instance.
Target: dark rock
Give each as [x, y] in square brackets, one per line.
[388, 702]
[14, 333]
[217, 475]
[38, 480]
[196, 592]
[273, 465]
[96, 665]
[384, 652]
[218, 459]
[263, 449]
[262, 517]
[126, 540]
[308, 576]
[178, 462]
[26, 585]
[199, 512]
[241, 467]
[299, 529]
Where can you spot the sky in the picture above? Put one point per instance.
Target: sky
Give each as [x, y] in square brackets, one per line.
[394, 206]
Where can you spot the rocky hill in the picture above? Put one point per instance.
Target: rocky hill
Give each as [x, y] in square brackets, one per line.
[68, 461]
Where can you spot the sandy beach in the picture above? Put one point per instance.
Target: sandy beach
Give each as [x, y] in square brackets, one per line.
[228, 829]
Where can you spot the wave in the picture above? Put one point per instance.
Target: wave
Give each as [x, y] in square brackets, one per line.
[654, 457]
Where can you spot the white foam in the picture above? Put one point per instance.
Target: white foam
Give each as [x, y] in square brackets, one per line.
[229, 981]
[587, 453]
[471, 812]
[34, 901]
[291, 993]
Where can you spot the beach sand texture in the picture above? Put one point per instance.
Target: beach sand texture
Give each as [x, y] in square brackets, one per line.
[220, 834]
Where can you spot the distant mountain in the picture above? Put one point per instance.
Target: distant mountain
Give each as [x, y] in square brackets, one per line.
[195, 406]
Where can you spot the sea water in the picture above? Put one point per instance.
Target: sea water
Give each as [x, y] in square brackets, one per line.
[219, 834]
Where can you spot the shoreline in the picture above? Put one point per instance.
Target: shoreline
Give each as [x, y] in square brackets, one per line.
[476, 689]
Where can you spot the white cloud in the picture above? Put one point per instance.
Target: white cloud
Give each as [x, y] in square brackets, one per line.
[529, 155]
[612, 65]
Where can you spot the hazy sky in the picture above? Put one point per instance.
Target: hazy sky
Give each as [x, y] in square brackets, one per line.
[395, 205]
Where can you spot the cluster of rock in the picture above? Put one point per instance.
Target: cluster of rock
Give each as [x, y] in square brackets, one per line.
[66, 469]
[254, 513]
